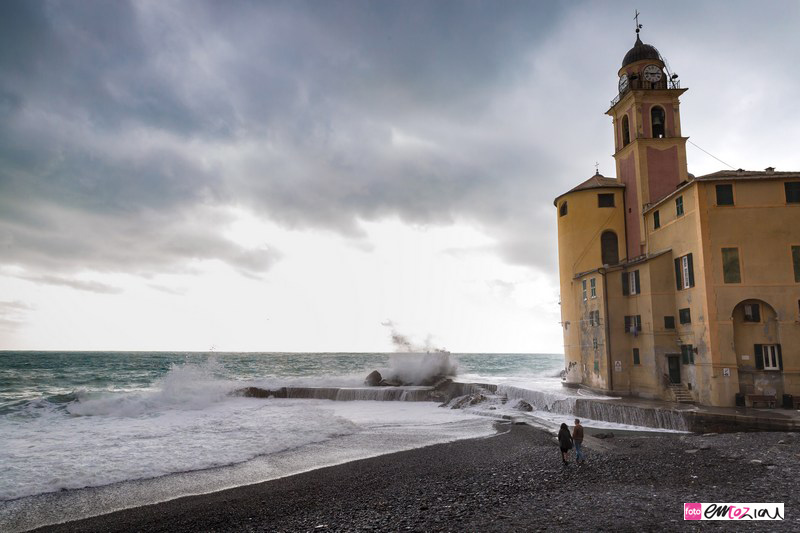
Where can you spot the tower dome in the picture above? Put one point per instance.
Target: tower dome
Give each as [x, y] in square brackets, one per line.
[640, 51]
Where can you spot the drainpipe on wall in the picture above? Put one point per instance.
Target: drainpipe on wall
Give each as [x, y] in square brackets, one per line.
[609, 363]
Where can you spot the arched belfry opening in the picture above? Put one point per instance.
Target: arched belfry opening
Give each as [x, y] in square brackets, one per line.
[657, 119]
[609, 248]
[626, 131]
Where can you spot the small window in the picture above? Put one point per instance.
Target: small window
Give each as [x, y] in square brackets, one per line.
[685, 315]
[684, 272]
[725, 194]
[796, 263]
[768, 357]
[687, 354]
[605, 200]
[594, 318]
[679, 206]
[593, 288]
[630, 283]
[770, 352]
[636, 356]
[583, 284]
[633, 324]
[730, 265]
[669, 322]
[656, 219]
[562, 211]
[752, 313]
[792, 192]
[594, 343]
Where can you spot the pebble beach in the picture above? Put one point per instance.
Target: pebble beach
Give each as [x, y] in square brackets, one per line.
[513, 481]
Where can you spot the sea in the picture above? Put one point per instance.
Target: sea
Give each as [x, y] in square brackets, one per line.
[86, 433]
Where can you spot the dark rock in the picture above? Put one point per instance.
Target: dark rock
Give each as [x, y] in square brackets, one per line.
[524, 406]
[256, 392]
[373, 379]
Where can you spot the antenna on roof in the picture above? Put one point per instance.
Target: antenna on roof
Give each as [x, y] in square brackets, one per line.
[636, 18]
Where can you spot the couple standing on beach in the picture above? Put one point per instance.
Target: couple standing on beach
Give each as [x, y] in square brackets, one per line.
[565, 441]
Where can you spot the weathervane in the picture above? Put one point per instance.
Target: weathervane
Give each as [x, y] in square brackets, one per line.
[596, 168]
[636, 18]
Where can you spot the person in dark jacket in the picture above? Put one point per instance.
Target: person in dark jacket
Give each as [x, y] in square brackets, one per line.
[577, 439]
[564, 442]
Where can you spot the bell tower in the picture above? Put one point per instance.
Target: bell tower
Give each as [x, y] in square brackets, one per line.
[649, 150]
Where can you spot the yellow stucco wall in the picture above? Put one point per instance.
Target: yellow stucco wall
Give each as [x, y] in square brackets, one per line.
[579, 251]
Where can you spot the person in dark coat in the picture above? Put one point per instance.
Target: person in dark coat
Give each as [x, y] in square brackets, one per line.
[564, 442]
[577, 439]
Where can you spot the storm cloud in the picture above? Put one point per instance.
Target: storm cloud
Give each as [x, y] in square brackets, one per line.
[127, 128]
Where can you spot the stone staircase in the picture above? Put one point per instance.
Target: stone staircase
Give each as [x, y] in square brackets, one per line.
[680, 393]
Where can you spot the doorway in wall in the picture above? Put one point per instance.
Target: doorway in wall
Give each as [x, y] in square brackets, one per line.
[674, 366]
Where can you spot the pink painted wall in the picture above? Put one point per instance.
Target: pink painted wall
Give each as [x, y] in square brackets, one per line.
[662, 169]
[627, 174]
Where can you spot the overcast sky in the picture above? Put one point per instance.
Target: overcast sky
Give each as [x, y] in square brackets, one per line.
[309, 176]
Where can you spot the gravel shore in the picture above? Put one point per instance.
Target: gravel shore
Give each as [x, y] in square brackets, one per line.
[511, 482]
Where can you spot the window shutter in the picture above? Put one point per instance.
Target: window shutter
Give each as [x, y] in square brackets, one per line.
[691, 270]
[624, 283]
[678, 277]
[636, 282]
[780, 357]
[759, 355]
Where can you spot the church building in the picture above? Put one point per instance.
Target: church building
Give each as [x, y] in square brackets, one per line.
[678, 287]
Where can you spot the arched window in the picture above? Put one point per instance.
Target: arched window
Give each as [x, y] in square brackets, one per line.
[626, 131]
[609, 249]
[562, 210]
[657, 120]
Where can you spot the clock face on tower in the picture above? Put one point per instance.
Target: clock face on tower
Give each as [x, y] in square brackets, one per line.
[651, 73]
[623, 83]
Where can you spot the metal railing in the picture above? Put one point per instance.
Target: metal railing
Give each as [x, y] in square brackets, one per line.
[640, 84]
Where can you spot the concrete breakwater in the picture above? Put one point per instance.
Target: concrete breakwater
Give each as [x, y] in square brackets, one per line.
[628, 411]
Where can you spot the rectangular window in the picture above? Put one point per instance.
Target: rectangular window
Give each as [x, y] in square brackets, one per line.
[605, 200]
[669, 322]
[684, 272]
[796, 263]
[725, 194]
[593, 288]
[633, 324]
[562, 211]
[583, 284]
[679, 205]
[630, 283]
[685, 315]
[633, 282]
[687, 354]
[730, 265]
[792, 192]
[594, 343]
[636, 356]
[656, 219]
[768, 357]
[594, 318]
[752, 313]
